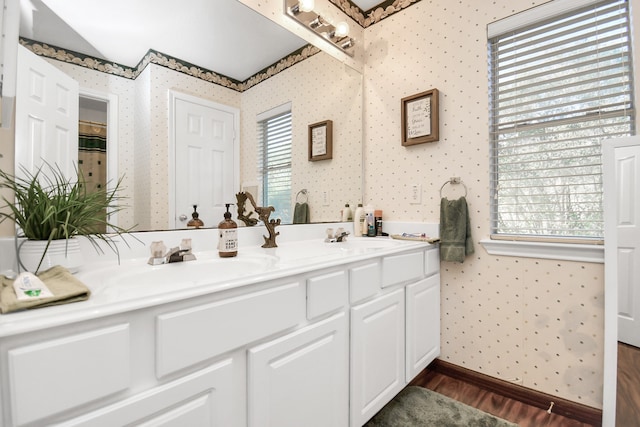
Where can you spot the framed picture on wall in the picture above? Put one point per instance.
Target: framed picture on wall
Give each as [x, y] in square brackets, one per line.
[420, 118]
[321, 141]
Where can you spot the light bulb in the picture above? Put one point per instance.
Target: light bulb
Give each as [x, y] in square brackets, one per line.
[342, 29]
[306, 5]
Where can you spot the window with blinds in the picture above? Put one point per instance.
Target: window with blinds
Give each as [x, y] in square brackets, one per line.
[274, 163]
[558, 89]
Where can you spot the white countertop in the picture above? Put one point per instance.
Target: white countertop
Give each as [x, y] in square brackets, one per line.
[133, 284]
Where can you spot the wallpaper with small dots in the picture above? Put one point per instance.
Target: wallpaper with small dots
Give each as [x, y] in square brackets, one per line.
[536, 322]
[319, 88]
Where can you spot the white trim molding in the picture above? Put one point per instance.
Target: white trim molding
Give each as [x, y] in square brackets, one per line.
[543, 250]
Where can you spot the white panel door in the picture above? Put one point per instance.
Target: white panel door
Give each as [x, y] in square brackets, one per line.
[627, 173]
[377, 354]
[302, 379]
[205, 161]
[46, 116]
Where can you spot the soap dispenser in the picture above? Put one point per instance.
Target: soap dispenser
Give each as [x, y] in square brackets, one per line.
[228, 236]
[358, 220]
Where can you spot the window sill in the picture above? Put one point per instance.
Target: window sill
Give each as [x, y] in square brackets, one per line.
[561, 251]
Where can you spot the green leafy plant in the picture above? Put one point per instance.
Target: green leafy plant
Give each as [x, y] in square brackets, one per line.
[48, 206]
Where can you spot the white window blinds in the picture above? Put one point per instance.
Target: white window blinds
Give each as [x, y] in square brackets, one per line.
[274, 163]
[558, 89]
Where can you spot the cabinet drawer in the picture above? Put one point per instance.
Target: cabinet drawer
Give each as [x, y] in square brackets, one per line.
[189, 336]
[431, 261]
[365, 281]
[326, 293]
[61, 374]
[203, 399]
[402, 268]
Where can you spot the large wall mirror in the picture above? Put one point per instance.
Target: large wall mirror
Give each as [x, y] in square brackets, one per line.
[250, 65]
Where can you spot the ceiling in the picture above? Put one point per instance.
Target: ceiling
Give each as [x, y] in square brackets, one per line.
[122, 31]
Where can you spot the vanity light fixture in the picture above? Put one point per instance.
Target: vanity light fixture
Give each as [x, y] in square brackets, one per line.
[318, 22]
[342, 29]
[303, 6]
[302, 12]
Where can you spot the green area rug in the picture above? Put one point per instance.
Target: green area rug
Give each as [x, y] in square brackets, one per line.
[417, 406]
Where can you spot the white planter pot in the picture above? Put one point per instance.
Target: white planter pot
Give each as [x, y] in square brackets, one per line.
[60, 252]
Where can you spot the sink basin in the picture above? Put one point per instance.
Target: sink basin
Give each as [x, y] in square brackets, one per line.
[135, 277]
[365, 243]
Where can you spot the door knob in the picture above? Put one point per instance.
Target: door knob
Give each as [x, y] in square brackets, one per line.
[182, 218]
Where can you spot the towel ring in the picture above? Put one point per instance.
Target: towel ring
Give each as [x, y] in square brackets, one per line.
[305, 193]
[454, 180]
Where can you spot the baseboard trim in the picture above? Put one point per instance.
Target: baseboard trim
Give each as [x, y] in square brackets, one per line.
[564, 407]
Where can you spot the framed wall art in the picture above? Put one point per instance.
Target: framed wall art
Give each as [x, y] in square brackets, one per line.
[420, 118]
[321, 141]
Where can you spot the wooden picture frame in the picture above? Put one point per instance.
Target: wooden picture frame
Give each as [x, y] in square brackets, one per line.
[420, 118]
[321, 141]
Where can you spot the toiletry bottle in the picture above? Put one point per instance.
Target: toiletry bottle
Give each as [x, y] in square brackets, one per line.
[228, 234]
[346, 213]
[370, 221]
[378, 218]
[358, 220]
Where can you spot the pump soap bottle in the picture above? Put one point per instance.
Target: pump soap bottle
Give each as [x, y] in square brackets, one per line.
[228, 236]
[358, 220]
[346, 213]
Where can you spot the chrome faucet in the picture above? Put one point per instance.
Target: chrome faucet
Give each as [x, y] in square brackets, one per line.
[339, 236]
[178, 254]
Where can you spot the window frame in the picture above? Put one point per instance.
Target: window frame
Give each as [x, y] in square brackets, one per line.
[590, 249]
[278, 112]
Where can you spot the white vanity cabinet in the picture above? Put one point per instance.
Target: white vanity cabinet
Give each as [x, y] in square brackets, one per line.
[377, 354]
[302, 379]
[180, 363]
[326, 346]
[396, 334]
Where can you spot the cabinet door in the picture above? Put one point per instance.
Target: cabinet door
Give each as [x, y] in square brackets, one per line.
[301, 379]
[423, 324]
[377, 354]
[204, 398]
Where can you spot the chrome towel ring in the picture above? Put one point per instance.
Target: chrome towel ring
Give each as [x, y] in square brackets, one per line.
[305, 195]
[454, 180]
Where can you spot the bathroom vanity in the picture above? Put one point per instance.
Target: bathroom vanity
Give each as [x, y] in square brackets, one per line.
[306, 334]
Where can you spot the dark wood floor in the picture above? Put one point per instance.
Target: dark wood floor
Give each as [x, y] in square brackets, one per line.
[628, 393]
[503, 407]
[627, 409]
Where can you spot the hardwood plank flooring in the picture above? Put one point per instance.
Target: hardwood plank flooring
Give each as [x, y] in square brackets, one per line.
[503, 407]
[628, 392]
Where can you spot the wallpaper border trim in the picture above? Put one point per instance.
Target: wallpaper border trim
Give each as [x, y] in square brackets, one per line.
[159, 58]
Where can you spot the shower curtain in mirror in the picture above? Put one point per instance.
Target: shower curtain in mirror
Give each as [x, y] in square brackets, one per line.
[92, 158]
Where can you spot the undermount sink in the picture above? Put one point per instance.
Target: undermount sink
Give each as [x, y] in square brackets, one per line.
[134, 276]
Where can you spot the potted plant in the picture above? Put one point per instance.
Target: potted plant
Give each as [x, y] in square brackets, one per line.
[50, 210]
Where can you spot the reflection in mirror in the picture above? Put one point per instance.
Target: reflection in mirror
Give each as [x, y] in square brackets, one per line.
[135, 99]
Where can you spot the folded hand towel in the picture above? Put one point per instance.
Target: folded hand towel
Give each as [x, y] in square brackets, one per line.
[64, 286]
[455, 230]
[301, 213]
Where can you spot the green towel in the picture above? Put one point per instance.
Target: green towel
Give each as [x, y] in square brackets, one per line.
[301, 213]
[64, 286]
[455, 230]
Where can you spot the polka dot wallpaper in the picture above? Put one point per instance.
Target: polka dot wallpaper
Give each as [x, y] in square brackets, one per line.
[538, 323]
[319, 88]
